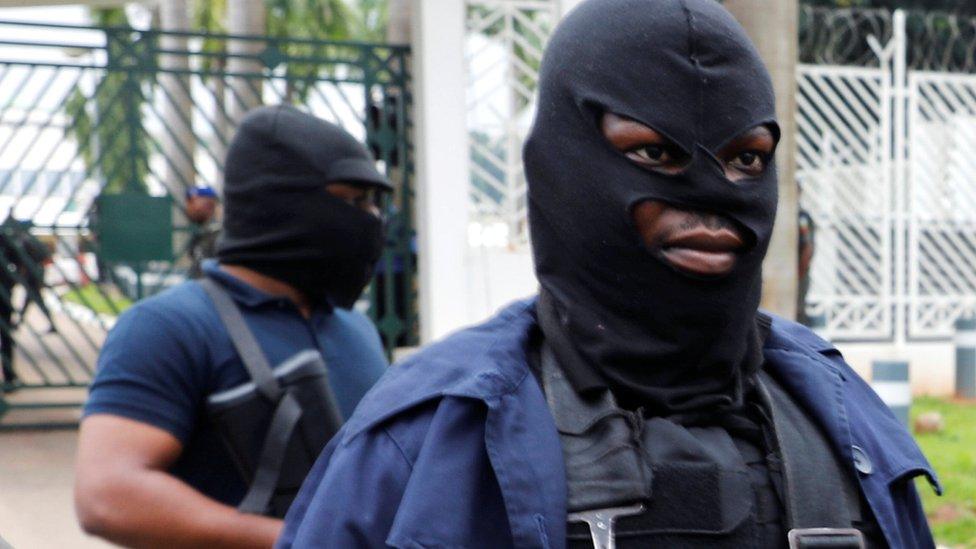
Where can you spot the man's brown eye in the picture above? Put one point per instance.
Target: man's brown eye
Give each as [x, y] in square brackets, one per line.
[654, 155]
[750, 162]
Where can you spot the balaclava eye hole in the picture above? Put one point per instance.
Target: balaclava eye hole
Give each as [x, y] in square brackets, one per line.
[642, 144]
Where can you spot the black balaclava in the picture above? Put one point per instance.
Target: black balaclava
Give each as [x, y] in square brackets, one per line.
[669, 342]
[280, 221]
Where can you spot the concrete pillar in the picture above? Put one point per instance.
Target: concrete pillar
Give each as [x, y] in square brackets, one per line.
[965, 341]
[889, 378]
[178, 140]
[773, 26]
[244, 17]
[441, 140]
[401, 19]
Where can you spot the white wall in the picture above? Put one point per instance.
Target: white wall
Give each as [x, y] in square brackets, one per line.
[931, 365]
[496, 277]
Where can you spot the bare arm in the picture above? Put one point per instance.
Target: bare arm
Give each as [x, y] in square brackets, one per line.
[124, 494]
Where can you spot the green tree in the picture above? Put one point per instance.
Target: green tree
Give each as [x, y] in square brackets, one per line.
[361, 20]
[107, 125]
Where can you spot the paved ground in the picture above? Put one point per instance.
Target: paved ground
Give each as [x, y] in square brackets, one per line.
[36, 475]
[36, 467]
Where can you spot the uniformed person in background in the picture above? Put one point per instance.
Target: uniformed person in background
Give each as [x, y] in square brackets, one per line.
[201, 210]
[642, 400]
[23, 259]
[806, 230]
[156, 465]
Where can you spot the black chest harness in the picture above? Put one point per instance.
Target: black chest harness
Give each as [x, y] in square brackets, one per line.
[275, 425]
[638, 482]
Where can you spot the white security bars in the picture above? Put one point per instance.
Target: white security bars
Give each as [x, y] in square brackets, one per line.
[887, 171]
[505, 40]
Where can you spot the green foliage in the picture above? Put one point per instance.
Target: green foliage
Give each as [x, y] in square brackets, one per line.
[953, 6]
[308, 19]
[360, 20]
[952, 453]
[209, 15]
[369, 21]
[108, 124]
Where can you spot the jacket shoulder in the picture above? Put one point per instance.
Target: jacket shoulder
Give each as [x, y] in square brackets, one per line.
[786, 334]
[480, 363]
[815, 374]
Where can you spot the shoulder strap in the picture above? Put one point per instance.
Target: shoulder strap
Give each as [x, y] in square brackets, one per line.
[287, 412]
[247, 346]
[819, 491]
[272, 459]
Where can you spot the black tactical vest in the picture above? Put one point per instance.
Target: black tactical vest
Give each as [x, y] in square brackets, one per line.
[656, 483]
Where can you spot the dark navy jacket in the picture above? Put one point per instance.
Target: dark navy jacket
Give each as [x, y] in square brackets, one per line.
[455, 447]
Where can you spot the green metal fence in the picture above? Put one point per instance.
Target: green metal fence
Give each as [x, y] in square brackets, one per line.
[102, 131]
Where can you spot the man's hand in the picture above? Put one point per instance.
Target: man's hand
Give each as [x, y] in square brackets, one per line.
[124, 494]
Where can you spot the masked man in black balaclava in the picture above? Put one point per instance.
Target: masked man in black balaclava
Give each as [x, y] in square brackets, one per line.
[189, 434]
[642, 400]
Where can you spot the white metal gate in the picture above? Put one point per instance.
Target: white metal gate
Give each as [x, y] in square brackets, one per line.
[887, 171]
[941, 201]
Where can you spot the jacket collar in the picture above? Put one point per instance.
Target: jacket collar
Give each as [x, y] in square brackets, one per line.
[491, 359]
[481, 362]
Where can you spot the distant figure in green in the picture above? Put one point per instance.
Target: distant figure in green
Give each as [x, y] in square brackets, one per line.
[22, 261]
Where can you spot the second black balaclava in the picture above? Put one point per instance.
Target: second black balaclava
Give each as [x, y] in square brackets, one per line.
[280, 221]
[664, 340]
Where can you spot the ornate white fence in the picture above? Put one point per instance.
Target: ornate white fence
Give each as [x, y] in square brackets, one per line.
[887, 169]
[505, 39]
[886, 157]
[844, 174]
[941, 191]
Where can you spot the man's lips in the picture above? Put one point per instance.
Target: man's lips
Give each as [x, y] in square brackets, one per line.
[703, 251]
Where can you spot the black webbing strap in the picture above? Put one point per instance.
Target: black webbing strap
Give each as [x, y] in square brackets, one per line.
[287, 411]
[820, 495]
[272, 458]
[247, 346]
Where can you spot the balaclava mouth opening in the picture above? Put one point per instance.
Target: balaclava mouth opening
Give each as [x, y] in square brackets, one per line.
[279, 219]
[685, 68]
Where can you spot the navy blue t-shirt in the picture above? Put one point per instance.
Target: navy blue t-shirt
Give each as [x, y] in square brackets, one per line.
[168, 353]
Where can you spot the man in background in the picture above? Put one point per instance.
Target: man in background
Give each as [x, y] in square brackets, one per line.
[22, 261]
[805, 233]
[302, 233]
[201, 209]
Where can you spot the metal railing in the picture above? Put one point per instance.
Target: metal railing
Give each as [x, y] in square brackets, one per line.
[885, 166]
[102, 130]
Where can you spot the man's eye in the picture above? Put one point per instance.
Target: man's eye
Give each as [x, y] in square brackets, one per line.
[655, 155]
[750, 162]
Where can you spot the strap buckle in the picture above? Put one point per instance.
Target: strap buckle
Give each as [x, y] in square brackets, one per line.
[601, 522]
[833, 538]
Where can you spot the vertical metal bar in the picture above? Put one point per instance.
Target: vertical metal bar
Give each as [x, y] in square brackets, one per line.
[132, 126]
[889, 263]
[912, 255]
[901, 181]
[512, 141]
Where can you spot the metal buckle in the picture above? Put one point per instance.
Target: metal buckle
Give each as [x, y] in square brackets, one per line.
[601, 521]
[811, 538]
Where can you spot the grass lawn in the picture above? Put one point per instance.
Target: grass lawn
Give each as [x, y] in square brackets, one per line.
[953, 455]
[107, 301]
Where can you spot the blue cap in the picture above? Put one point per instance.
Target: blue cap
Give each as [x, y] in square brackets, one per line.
[203, 190]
